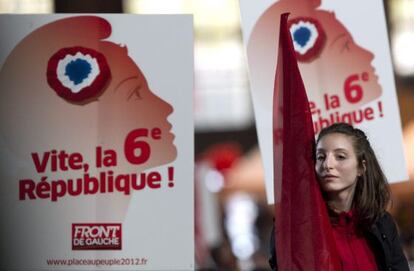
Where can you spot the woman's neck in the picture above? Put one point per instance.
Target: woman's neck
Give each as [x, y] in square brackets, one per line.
[341, 201]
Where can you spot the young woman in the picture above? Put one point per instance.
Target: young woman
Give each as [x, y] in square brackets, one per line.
[357, 194]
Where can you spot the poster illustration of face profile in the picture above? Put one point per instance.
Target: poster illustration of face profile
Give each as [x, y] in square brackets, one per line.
[96, 142]
[345, 66]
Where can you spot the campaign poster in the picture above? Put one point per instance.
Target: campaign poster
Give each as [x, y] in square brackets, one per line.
[96, 142]
[344, 59]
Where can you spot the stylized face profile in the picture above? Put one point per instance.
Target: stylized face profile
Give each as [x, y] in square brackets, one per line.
[123, 101]
[65, 88]
[341, 60]
[129, 95]
[329, 59]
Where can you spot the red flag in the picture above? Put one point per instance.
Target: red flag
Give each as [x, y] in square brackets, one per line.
[304, 238]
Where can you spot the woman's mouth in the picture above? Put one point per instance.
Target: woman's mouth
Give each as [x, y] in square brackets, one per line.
[329, 177]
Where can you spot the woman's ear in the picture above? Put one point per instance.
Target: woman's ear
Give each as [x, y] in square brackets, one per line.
[363, 168]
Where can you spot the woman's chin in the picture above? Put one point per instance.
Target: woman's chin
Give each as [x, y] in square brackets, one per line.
[329, 187]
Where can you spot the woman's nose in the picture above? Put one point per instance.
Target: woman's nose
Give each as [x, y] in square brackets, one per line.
[367, 54]
[328, 163]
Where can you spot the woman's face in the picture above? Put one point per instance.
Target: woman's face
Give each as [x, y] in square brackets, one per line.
[336, 164]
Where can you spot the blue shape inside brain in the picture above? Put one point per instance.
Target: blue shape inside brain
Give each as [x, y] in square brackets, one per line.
[302, 35]
[78, 70]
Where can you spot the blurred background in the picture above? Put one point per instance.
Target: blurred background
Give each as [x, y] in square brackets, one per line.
[232, 219]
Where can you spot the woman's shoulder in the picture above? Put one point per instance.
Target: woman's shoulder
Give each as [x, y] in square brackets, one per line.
[386, 231]
[385, 219]
[385, 225]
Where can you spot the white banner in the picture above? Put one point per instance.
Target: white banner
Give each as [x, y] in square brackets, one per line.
[344, 59]
[96, 142]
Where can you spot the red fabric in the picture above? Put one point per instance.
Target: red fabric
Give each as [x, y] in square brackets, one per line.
[352, 247]
[304, 236]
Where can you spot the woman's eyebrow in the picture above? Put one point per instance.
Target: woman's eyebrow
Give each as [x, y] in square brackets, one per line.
[340, 150]
[343, 35]
[335, 150]
[125, 80]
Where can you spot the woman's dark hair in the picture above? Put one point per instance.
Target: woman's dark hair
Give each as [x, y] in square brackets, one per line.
[372, 193]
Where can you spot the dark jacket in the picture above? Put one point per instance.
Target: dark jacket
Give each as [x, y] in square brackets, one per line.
[384, 241]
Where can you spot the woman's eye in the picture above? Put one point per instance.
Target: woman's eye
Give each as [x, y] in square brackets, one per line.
[134, 93]
[320, 157]
[345, 46]
[341, 157]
